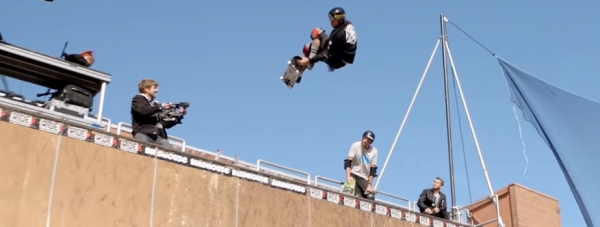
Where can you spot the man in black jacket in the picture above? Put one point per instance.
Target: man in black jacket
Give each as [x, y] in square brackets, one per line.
[340, 46]
[146, 123]
[433, 201]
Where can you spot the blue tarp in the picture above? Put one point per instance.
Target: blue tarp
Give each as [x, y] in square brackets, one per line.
[570, 126]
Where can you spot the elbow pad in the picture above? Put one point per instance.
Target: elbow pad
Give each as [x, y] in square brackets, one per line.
[347, 163]
[373, 171]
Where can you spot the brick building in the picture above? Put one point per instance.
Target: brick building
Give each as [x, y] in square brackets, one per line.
[520, 207]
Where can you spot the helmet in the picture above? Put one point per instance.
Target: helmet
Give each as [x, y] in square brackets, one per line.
[369, 134]
[306, 49]
[337, 13]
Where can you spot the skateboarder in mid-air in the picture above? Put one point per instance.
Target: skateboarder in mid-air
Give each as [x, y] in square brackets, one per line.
[336, 49]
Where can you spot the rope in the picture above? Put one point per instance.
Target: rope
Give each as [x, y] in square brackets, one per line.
[524, 151]
[467, 34]
[462, 141]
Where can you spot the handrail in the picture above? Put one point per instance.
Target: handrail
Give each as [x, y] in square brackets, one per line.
[474, 203]
[467, 208]
[245, 163]
[221, 156]
[396, 197]
[120, 126]
[487, 222]
[280, 173]
[108, 123]
[316, 182]
[283, 167]
[317, 177]
[180, 140]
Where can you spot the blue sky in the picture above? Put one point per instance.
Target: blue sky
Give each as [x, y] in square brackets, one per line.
[225, 58]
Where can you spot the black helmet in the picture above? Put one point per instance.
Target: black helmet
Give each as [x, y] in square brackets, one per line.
[369, 134]
[337, 13]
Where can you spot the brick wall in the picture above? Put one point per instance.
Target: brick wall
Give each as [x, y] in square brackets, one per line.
[534, 209]
[519, 207]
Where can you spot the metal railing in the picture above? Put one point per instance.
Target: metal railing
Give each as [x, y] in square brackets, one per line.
[120, 127]
[107, 123]
[219, 156]
[178, 139]
[282, 167]
[339, 182]
[396, 197]
[330, 180]
[487, 222]
[464, 212]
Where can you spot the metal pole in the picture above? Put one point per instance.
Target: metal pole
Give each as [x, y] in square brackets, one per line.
[448, 121]
[474, 134]
[101, 105]
[412, 102]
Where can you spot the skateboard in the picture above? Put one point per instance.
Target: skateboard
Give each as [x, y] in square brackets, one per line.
[349, 187]
[293, 73]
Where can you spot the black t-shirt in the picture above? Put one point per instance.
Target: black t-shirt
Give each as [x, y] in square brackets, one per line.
[343, 43]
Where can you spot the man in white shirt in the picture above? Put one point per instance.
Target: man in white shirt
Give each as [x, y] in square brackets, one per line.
[361, 166]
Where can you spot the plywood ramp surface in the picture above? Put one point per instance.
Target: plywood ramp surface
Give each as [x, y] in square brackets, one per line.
[25, 175]
[189, 197]
[99, 186]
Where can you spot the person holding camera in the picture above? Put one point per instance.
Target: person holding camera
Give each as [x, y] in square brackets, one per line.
[146, 113]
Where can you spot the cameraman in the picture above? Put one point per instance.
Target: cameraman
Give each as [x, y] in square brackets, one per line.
[145, 113]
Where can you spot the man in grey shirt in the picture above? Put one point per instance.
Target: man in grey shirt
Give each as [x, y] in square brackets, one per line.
[361, 165]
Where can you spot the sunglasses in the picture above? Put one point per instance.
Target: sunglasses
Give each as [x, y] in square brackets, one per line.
[337, 17]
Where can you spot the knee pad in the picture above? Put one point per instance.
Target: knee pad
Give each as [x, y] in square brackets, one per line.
[370, 196]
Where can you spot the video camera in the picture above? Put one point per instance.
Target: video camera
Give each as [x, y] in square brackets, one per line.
[173, 115]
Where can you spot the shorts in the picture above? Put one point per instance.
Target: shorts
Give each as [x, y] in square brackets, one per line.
[361, 186]
[334, 62]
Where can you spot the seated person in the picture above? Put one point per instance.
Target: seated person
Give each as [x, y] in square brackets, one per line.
[86, 58]
[337, 49]
[432, 201]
